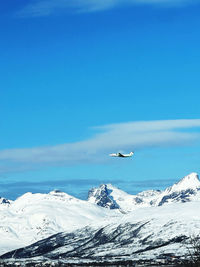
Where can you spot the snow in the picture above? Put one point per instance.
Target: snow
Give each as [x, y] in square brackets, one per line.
[190, 181]
[33, 217]
[187, 189]
[123, 200]
[128, 236]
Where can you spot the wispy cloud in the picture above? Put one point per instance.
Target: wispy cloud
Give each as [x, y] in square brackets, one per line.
[109, 138]
[39, 8]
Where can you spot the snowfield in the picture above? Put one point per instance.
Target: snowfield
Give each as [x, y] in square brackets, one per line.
[112, 225]
[35, 216]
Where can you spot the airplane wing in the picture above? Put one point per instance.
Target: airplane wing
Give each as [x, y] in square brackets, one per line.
[120, 155]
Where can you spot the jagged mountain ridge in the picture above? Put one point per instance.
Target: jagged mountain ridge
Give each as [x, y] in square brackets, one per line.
[33, 217]
[108, 196]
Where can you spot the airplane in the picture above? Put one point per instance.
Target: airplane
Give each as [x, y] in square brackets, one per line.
[121, 155]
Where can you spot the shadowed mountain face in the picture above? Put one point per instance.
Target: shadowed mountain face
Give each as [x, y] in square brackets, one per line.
[104, 244]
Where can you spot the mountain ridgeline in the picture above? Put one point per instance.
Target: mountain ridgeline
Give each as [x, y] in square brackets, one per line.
[108, 196]
[110, 227]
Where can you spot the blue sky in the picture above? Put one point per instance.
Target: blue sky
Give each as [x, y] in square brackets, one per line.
[81, 79]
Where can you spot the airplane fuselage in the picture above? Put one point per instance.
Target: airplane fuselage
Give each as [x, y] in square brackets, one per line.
[120, 155]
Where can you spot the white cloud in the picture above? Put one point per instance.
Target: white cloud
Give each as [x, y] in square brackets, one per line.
[38, 8]
[109, 138]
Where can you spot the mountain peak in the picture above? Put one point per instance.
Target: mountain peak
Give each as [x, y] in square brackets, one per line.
[58, 193]
[5, 201]
[190, 181]
[102, 196]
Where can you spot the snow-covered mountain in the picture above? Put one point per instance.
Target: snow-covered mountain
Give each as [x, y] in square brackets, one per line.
[108, 196]
[151, 234]
[35, 216]
[110, 225]
[187, 189]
